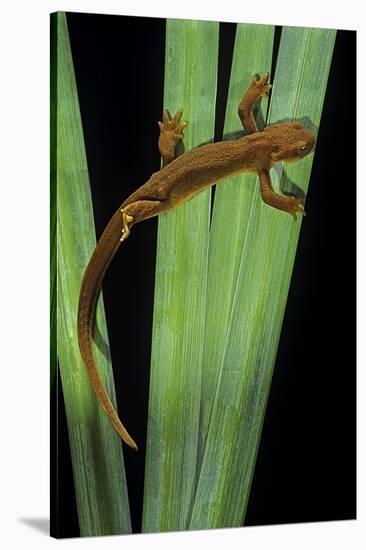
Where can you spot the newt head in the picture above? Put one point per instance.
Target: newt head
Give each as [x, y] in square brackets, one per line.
[289, 142]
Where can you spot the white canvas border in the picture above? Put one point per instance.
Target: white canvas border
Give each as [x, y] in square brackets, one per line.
[24, 226]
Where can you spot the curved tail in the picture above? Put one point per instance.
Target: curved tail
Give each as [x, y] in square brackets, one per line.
[106, 248]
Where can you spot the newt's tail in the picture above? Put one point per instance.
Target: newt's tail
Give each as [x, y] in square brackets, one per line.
[89, 294]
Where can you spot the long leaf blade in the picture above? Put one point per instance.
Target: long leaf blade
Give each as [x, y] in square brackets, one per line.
[180, 294]
[231, 211]
[259, 302]
[96, 451]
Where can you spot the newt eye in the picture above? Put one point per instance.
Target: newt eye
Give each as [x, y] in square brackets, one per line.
[302, 149]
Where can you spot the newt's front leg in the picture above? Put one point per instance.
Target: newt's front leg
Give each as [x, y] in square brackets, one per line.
[292, 205]
[170, 135]
[258, 88]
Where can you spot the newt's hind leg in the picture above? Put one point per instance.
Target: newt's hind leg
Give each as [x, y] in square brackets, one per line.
[140, 210]
[258, 88]
[170, 134]
[127, 221]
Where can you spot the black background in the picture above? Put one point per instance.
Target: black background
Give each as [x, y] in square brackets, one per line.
[306, 467]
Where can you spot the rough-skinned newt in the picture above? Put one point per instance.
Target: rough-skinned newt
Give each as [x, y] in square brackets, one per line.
[180, 179]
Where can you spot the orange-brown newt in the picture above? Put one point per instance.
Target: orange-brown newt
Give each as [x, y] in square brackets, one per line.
[180, 179]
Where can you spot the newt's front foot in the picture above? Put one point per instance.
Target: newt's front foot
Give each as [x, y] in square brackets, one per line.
[294, 207]
[170, 134]
[260, 85]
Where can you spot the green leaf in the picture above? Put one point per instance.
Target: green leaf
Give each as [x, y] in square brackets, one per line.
[96, 451]
[53, 204]
[180, 292]
[260, 298]
[233, 199]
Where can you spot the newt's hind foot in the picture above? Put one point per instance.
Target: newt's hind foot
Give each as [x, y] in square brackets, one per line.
[260, 85]
[126, 220]
[170, 134]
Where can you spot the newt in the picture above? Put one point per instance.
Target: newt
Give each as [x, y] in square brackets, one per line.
[181, 178]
